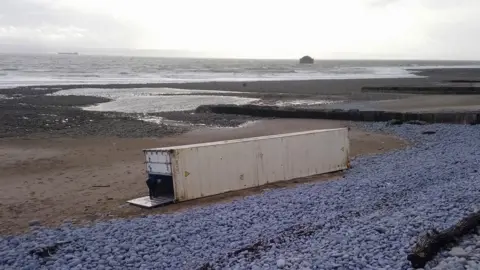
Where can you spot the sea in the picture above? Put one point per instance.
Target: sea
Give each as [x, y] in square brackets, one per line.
[54, 69]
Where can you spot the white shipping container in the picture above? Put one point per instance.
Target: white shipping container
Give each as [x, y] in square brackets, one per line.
[207, 169]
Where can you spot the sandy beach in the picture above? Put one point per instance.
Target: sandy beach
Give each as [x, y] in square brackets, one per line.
[91, 178]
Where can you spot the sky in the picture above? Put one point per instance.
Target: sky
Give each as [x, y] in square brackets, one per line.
[383, 29]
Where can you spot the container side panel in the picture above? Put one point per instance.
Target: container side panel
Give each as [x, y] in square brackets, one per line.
[270, 162]
[204, 172]
[178, 186]
[218, 168]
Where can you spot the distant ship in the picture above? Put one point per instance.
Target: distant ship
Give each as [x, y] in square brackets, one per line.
[68, 53]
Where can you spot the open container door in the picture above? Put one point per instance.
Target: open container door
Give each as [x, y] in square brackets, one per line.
[159, 181]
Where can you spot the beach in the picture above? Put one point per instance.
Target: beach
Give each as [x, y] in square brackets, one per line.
[91, 178]
[50, 141]
[72, 153]
[62, 150]
[53, 151]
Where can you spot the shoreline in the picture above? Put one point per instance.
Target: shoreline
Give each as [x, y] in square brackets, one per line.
[32, 111]
[28, 111]
[276, 86]
[424, 76]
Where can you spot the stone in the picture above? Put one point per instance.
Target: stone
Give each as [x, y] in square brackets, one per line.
[306, 60]
[34, 223]
[281, 263]
[417, 122]
[458, 252]
[395, 122]
[380, 230]
[472, 264]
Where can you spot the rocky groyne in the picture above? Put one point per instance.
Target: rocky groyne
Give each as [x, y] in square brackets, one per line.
[433, 90]
[339, 114]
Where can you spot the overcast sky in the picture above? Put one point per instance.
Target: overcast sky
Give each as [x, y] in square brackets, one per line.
[429, 29]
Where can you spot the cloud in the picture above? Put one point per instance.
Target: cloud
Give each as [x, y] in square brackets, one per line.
[46, 22]
[381, 3]
[249, 28]
[431, 4]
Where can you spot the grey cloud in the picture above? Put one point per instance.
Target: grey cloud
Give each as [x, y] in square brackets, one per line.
[455, 39]
[44, 23]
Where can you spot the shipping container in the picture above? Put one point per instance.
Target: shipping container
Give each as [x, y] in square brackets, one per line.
[187, 172]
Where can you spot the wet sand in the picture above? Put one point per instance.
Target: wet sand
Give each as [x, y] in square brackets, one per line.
[87, 179]
[416, 103]
[30, 112]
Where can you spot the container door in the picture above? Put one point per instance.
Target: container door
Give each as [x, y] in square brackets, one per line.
[158, 162]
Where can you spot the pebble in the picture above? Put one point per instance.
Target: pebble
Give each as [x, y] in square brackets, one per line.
[458, 252]
[34, 223]
[53, 115]
[281, 263]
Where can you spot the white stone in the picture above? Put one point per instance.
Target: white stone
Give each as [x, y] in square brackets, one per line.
[281, 263]
[472, 264]
[458, 252]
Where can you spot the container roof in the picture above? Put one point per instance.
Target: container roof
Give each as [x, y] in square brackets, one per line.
[242, 140]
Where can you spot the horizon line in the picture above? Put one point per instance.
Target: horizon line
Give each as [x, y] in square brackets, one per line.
[231, 57]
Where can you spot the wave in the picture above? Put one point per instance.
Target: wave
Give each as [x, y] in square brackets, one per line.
[67, 76]
[96, 80]
[152, 104]
[418, 67]
[5, 97]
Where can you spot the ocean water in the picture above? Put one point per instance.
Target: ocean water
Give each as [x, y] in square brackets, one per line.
[21, 70]
[123, 93]
[41, 70]
[153, 100]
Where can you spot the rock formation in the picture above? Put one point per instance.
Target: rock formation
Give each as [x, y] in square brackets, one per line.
[306, 60]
